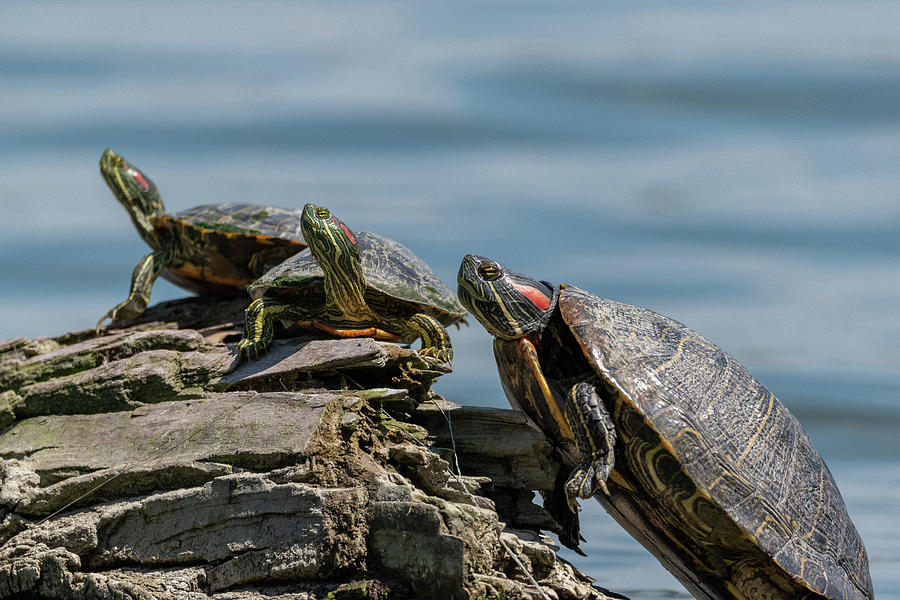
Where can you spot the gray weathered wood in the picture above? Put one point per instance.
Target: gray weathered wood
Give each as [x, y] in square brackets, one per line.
[132, 467]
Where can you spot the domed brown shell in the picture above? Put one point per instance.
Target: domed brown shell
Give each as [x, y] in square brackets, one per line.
[224, 247]
[718, 464]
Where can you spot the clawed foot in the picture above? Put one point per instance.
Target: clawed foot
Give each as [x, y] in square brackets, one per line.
[120, 312]
[595, 436]
[100, 326]
[460, 322]
[247, 350]
[584, 482]
[445, 356]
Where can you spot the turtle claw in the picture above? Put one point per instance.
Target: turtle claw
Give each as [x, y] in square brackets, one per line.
[129, 309]
[244, 351]
[98, 329]
[437, 354]
[595, 437]
[247, 350]
[585, 481]
[111, 314]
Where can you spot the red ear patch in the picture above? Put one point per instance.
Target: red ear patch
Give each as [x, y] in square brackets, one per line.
[348, 234]
[537, 297]
[139, 177]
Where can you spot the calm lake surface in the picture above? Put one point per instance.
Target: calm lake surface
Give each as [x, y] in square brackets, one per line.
[735, 168]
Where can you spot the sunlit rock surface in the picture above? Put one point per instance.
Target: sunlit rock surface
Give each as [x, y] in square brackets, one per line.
[141, 464]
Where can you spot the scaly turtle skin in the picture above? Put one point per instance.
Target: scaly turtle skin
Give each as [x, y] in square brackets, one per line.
[684, 448]
[212, 249]
[352, 285]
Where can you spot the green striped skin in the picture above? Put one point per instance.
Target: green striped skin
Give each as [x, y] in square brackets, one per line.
[336, 251]
[595, 437]
[481, 281]
[709, 471]
[259, 325]
[352, 284]
[212, 249]
[136, 193]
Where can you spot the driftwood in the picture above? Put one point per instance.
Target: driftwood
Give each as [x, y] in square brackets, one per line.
[135, 465]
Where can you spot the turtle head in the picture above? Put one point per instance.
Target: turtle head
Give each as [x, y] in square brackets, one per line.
[509, 305]
[335, 249]
[328, 238]
[134, 190]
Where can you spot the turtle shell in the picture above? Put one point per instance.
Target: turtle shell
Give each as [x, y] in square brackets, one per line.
[389, 268]
[225, 247]
[715, 463]
[238, 218]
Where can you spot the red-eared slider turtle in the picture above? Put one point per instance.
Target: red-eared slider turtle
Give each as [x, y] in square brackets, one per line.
[213, 249]
[687, 451]
[352, 285]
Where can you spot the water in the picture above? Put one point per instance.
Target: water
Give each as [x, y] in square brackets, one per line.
[734, 168]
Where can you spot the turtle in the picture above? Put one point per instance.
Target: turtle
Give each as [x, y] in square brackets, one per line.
[215, 249]
[691, 454]
[352, 284]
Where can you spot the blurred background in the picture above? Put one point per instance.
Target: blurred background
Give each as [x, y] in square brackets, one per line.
[733, 167]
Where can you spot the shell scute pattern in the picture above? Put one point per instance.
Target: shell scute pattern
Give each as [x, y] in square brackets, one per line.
[240, 217]
[388, 267]
[735, 440]
[229, 244]
[393, 269]
[732, 489]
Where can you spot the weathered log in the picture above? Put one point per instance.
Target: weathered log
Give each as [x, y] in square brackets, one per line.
[135, 465]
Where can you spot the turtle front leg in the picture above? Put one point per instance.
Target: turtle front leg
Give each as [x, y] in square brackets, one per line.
[595, 436]
[259, 325]
[142, 278]
[435, 339]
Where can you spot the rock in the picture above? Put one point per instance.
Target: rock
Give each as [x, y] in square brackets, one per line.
[8, 400]
[162, 446]
[134, 465]
[335, 364]
[60, 360]
[309, 357]
[504, 447]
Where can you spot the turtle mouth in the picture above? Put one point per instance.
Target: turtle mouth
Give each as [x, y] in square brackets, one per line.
[114, 169]
[111, 161]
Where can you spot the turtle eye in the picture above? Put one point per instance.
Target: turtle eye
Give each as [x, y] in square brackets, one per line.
[489, 272]
[322, 213]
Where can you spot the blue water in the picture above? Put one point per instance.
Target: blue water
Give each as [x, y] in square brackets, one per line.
[733, 167]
